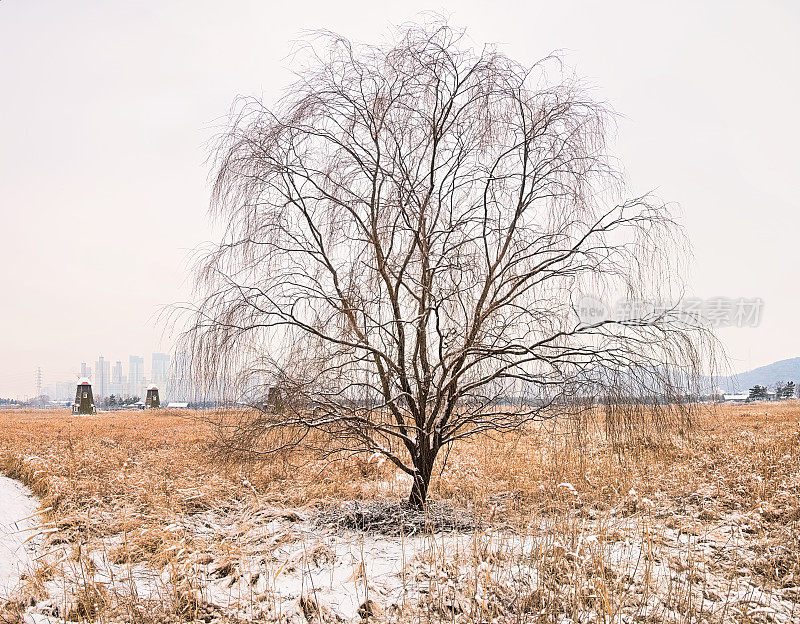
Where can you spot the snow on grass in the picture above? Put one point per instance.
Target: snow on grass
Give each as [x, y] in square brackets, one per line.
[145, 527]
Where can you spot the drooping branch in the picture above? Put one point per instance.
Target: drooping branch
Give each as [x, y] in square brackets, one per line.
[405, 236]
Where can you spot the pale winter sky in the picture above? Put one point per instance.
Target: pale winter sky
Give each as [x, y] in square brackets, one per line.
[106, 108]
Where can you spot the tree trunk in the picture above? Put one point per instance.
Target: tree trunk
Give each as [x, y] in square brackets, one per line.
[419, 492]
[422, 478]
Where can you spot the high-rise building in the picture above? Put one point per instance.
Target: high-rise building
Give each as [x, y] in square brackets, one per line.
[160, 368]
[135, 375]
[64, 391]
[117, 385]
[102, 377]
[116, 373]
[86, 371]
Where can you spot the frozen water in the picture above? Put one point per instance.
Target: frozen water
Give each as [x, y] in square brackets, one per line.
[17, 525]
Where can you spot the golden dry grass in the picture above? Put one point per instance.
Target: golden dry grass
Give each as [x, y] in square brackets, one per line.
[129, 475]
[158, 462]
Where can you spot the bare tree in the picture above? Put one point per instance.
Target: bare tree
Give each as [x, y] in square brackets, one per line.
[406, 235]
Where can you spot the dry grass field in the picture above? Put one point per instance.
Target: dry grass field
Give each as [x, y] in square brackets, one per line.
[140, 523]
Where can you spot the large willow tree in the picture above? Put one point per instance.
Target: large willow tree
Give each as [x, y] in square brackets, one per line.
[406, 234]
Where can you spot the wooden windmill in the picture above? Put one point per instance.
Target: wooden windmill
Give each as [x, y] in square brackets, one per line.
[151, 400]
[84, 401]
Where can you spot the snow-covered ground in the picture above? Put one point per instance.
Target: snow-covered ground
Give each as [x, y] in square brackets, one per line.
[17, 526]
[274, 564]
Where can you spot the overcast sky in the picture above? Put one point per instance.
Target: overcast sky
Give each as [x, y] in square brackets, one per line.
[106, 108]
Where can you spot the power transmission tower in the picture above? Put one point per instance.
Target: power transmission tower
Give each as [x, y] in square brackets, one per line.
[38, 377]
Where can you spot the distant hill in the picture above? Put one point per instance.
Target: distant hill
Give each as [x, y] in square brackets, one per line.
[783, 370]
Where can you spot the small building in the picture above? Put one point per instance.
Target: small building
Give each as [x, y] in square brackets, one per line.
[177, 405]
[152, 401]
[735, 398]
[275, 400]
[84, 401]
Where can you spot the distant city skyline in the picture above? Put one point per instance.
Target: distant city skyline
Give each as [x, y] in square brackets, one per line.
[107, 380]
